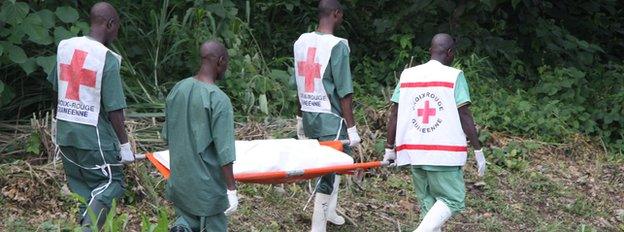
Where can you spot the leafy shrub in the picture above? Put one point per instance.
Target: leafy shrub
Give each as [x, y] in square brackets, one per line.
[27, 48]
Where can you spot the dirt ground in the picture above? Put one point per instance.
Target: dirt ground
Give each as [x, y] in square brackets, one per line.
[554, 192]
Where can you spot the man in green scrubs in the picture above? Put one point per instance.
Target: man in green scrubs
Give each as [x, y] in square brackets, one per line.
[325, 92]
[200, 132]
[81, 149]
[439, 189]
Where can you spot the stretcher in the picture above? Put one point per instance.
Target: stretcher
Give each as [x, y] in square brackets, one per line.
[279, 176]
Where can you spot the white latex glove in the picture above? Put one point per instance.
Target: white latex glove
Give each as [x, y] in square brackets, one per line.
[480, 162]
[300, 131]
[390, 155]
[354, 137]
[233, 200]
[127, 156]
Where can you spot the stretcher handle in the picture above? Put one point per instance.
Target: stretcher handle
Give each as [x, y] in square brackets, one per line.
[312, 171]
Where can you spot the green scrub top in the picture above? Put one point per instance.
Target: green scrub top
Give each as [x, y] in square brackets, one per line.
[462, 98]
[199, 129]
[338, 83]
[82, 136]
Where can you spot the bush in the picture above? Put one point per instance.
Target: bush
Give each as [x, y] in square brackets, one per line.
[536, 68]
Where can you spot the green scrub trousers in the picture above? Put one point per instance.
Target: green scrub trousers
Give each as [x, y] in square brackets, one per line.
[432, 185]
[326, 184]
[190, 222]
[83, 181]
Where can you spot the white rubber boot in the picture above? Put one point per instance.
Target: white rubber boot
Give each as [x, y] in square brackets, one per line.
[319, 217]
[332, 215]
[435, 218]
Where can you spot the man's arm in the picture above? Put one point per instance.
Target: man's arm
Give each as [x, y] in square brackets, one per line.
[52, 78]
[228, 174]
[391, 126]
[54, 99]
[113, 98]
[293, 85]
[468, 125]
[223, 130]
[392, 121]
[347, 109]
[230, 184]
[341, 73]
[117, 119]
[298, 106]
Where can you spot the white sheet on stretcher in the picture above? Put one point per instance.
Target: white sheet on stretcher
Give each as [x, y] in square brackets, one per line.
[278, 155]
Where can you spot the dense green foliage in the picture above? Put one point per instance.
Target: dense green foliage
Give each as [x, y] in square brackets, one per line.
[542, 69]
[536, 68]
[27, 39]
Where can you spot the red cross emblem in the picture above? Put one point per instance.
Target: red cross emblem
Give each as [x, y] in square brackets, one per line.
[426, 113]
[76, 75]
[309, 70]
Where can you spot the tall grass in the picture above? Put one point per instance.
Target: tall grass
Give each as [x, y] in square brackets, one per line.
[170, 37]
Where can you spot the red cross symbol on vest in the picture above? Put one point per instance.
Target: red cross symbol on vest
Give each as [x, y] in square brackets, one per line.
[309, 70]
[426, 113]
[76, 75]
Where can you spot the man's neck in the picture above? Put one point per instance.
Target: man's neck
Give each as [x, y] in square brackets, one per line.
[97, 36]
[206, 76]
[325, 27]
[438, 59]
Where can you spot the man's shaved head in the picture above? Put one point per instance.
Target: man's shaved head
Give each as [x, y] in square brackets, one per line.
[214, 58]
[104, 22]
[102, 13]
[212, 49]
[326, 7]
[442, 48]
[442, 43]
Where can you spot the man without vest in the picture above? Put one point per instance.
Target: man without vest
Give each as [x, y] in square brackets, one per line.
[325, 90]
[90, 129]
[199, 128]
[427, 129]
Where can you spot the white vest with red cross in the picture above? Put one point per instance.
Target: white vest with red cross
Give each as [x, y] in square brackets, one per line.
[429, 131]
[80, 64]
[312, 54]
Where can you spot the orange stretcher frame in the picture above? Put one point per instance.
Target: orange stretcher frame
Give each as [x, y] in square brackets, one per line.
[277, 177]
